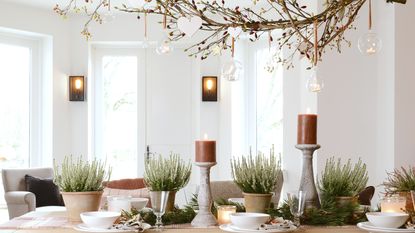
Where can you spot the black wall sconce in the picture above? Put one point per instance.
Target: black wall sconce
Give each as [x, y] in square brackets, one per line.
[210, 88]
[76, 88]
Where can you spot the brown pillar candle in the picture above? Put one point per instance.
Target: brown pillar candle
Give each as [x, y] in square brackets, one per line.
[307, 129]
[205, 151]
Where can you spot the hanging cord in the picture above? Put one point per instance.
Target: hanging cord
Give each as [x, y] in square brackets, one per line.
[269, 41]
[109, 5]
[165, 20]
[145, 24]
[315, 43]
[233, 47]
[370, 15]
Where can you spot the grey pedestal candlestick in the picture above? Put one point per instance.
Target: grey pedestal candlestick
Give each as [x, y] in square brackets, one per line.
[307, 177]
[204, 217]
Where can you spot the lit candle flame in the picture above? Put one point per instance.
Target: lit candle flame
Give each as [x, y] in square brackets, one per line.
[205, 136]
[370, 50]
[308, 110]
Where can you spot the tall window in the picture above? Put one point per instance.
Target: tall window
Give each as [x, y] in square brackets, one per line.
[269, 102]
[25, 101]
[14, 105]
[264, 99]
[116, 110]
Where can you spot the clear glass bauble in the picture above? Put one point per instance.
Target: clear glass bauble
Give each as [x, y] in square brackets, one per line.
[232, 70]
[369, 43]
[164, 46]
[315, 82]
[108, 16]
[146, 43]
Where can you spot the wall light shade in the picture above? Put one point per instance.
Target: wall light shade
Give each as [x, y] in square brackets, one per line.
[76, 88]
[210, 88]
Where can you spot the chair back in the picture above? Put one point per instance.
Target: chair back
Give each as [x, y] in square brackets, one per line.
[225, 190]
[13, 179]
[136, 183]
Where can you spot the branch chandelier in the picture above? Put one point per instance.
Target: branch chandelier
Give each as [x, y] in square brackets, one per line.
[223, 24]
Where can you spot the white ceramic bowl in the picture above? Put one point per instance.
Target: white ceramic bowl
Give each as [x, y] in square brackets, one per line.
[248, 220]
[99, 219]
[387, 220]
[139, 203]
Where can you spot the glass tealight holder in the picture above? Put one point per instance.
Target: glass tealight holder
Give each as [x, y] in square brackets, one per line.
[224, 212]
[393, 204]
[119, 203]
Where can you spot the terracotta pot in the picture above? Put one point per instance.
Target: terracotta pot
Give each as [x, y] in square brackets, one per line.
[78, 202]
[170, 201]
[409, 206]
[257, 203]
[342, 201]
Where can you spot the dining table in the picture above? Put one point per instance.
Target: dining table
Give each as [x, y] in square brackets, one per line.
[55, 221]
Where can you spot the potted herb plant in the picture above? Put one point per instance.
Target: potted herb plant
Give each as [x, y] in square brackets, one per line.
[401, 181]
[342, 182]
[257, 177]
[167, 174]
[80, 183]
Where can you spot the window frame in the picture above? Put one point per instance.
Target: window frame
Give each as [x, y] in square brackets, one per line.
[97, 52]
[40, 144]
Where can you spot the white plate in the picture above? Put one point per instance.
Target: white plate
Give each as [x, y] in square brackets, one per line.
[367, 226]
[231, 228]
[84, 228]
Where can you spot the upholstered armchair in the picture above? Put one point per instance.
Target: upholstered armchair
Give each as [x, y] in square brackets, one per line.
[18, 200]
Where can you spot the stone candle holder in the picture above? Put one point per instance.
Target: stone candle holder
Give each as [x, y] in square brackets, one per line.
[204, 217]
[307, 177]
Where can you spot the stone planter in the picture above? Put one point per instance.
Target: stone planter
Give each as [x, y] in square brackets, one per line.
[257, 203]
[170, 201]
[409, 206]
[78, 202]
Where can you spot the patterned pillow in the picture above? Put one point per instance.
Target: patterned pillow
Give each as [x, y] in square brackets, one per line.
[124, 192]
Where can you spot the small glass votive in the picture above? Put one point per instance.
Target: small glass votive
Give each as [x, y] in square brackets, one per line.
[224, 212]
[119, 203]
[393, 204]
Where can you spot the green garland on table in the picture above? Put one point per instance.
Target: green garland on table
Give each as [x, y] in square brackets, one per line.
[177, 216]
[330, 214]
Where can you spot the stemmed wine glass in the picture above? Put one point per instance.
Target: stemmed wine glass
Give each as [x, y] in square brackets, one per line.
[296, 201]
[158, 203]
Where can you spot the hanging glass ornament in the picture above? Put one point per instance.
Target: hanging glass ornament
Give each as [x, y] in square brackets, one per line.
[232, 70]
[369, 43]
[146, 43]
[315, 82]
[164, 46]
